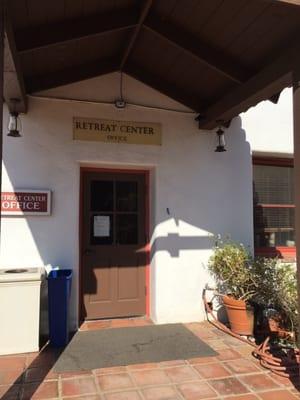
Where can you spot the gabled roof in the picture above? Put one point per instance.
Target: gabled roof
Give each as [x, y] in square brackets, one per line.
[217, 57]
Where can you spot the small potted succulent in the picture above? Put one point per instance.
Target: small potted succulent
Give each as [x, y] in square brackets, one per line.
[231, 266]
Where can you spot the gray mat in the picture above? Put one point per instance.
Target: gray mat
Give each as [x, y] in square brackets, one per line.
[126, 346]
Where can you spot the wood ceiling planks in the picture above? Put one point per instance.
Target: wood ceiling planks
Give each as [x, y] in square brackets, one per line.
[196, 51]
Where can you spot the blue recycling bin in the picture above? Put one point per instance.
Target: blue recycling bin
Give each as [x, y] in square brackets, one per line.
[59, 290]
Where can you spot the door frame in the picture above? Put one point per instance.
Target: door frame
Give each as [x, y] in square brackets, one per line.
[146, 174]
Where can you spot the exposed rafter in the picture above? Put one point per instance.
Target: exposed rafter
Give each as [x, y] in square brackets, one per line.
[13, 78]
[212, 57]
[30, 39]
[164, 87]
[293, 2]
[269, 80]
[71, 75]
[133, 39]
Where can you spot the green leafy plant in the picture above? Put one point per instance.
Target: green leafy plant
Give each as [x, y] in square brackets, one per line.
[231, 266]
[278, 289]
[264, 281]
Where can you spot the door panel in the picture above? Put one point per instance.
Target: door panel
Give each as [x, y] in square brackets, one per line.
[113, 246]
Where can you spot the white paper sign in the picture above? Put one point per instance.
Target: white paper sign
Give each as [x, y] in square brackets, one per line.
[101, 226]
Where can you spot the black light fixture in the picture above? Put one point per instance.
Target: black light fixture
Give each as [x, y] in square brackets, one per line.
[221, 141]
[14, 122]
[120, 102]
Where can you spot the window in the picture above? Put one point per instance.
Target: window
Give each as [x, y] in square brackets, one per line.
[274, 209]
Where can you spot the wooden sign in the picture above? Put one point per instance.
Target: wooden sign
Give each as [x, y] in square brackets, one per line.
[26, 202]
[104, 130]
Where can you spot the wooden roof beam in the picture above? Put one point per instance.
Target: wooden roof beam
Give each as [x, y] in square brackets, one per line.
[71, 75]
[268, 81]
[164, 87]
[14, 87]
[31, 39]
[133, 39]
[214, 58]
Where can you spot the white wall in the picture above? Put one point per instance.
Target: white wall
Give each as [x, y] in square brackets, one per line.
[206, 192]
[269, 126]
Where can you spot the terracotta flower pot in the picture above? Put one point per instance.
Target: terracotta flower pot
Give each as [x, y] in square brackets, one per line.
[240, 315]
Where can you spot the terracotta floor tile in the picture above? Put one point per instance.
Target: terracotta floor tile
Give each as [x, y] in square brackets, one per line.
[217, 344]
[78, 386]
[231, 341]
[245, 350]
[150, 377]
[277, 395]
[12, 362]
[209, 371]
[142, 322]
[196, 390]
[245, 397]
[202, 360]
[45, 359]
[228, 354]
[228, 386]
[115, 381]
[143, 366]
[181, 374]
[131, 395]
[11, 376]
[161, 393]
[285, 381]
[259, 382]
[8, 392]
[39, 374]
[241, 366]
[172, 363]
[112, 370]
[94, 325]
[88, 397]
[45, 390]
[120, 323]
[76, 374]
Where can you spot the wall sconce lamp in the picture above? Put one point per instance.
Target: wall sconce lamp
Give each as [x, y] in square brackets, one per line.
[221, 141]
[14, 123]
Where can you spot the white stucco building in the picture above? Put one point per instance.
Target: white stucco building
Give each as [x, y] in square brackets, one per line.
[193, 192]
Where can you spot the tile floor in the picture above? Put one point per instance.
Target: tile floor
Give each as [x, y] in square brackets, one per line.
[233, 375]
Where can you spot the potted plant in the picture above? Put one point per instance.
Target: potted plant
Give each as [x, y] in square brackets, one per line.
[277, 294]
[231, 265]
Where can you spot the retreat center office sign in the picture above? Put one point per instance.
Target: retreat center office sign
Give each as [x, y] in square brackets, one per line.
[104, 130]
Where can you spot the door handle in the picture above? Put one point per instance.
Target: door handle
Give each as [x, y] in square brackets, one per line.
[88, 252]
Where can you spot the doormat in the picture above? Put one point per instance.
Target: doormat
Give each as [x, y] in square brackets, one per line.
[127, 346]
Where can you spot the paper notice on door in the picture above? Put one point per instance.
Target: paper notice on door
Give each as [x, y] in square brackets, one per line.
[101, 226]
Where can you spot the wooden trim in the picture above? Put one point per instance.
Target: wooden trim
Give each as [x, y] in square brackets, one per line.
[282, 252]
[271, 79]
[133, 39]
[46, 35]
[278, 251]
[71, 75]
[274, 205]
[161, 85]
[14, 87]
[273, 161]
[146, 173]
[214, 58]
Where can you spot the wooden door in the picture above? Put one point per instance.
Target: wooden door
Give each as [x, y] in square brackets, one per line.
[113, 245]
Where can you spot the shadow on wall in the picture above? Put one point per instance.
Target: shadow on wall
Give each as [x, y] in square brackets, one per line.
[207, 201]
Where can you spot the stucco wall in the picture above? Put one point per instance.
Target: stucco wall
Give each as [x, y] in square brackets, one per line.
[206, 192]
